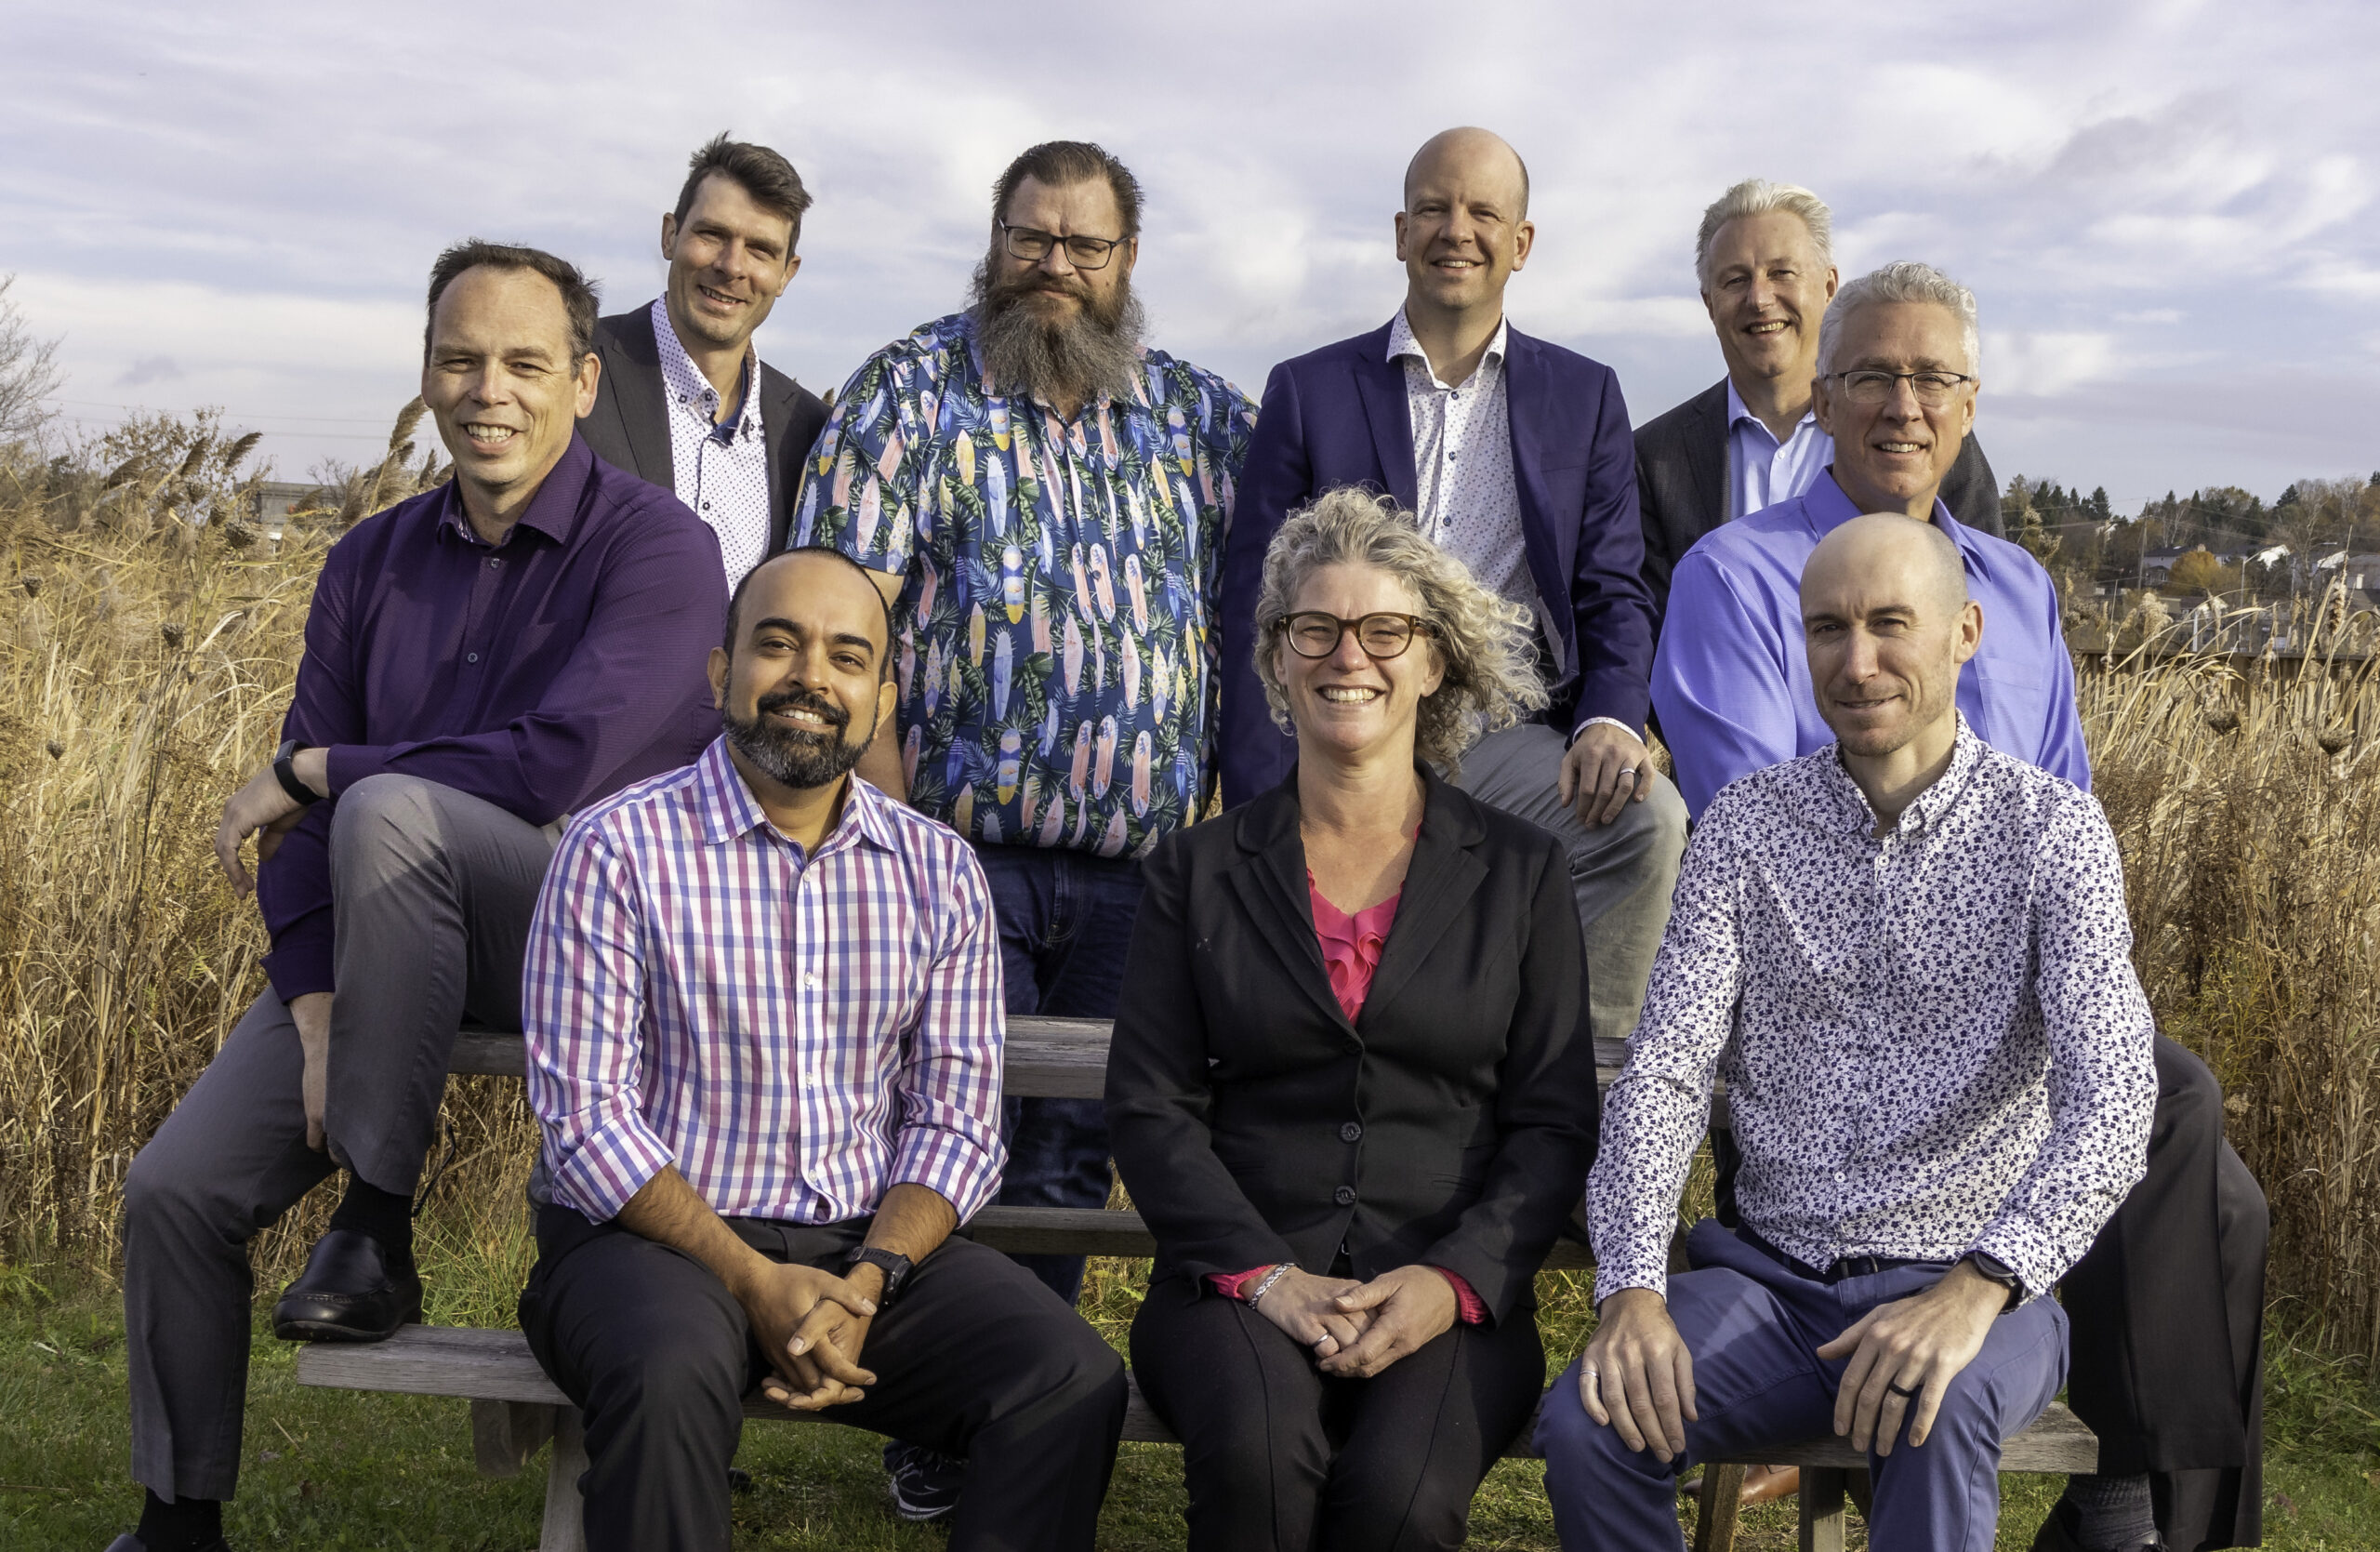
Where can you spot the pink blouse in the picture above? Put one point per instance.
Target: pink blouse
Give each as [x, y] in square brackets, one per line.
[1351, 945]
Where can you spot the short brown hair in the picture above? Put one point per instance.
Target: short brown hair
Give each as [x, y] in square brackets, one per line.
[1061, 163]
[768, 178]
[577, 291]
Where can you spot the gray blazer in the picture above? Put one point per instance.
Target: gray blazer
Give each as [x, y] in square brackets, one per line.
[1681, 484]
[628, 428]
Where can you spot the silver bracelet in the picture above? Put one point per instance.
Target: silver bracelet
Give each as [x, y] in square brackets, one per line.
[1264, 1284]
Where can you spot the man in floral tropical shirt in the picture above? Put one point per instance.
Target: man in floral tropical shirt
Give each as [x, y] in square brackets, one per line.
[1042, 500]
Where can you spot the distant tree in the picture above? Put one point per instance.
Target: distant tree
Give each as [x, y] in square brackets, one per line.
[29, 372]
[2101, 512]
[2198, 572]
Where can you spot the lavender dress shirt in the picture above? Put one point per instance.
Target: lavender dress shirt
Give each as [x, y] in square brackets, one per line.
[539, 675]
[1731, 678]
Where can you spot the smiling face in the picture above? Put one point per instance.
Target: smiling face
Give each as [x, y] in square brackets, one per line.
[1350, 704]
[1465, 227]
[499, 380]
[1892, 457]
[1769, 287]
[1051, 289]
[804, 688]
[1887, 624]
[729, 262]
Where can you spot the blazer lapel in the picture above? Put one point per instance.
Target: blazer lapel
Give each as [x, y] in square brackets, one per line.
[1438, 885]
[643, 411]
[1270, 881]
[778, 395]
[1706, 453]
[1380, 384]
[1528, 399]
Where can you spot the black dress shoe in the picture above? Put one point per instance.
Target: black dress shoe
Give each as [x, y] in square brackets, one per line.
[130, 1543]
[347, 1294]
[2057, 1534]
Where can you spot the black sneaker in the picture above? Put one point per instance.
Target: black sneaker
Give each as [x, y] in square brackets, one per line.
[925, 1482]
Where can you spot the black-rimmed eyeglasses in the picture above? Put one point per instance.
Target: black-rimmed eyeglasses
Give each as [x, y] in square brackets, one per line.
[1317, 634]
[1872, 386]
[1083, 253]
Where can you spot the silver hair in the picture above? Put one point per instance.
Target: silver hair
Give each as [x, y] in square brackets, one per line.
[1904, 280]
[1486, 645]
[1758, 196]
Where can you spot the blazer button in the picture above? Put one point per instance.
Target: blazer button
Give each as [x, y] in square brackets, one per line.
[1344, 1196]
[1349, 1132]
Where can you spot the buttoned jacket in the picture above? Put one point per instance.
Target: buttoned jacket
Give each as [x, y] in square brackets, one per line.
[1450, 1125]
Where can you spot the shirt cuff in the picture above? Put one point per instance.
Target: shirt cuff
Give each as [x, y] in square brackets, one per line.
[610, 1162]
[964, 1171]
[1229, 1284]
[1635, 732]
[1468, 1308]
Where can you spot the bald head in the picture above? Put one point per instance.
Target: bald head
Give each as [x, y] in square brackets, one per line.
[1469, 157]
[1888, 625]
[1885, 552]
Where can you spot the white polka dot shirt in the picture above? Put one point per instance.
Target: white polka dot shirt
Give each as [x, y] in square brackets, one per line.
[721, 471]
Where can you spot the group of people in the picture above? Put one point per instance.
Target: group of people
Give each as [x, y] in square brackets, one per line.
[757, 761]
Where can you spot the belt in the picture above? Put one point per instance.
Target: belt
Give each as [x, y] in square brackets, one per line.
[1848, 1267]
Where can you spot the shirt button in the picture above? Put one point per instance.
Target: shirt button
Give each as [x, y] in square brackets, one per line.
[810, 980]
[495, 563]
[1349, 1132]
[1838, 1177]
[706, 506]
[471, 657]
[1344, 1196]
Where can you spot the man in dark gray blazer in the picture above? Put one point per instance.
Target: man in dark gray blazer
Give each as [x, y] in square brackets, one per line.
[1764, 260]
[684, 402]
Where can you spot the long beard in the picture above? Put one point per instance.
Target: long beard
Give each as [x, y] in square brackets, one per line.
[1089, 355]
[798, 759]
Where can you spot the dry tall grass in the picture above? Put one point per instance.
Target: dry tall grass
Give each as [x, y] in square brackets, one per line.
[145, 661]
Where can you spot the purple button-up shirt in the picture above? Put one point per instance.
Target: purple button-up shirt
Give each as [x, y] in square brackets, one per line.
[538, 675]
[1731, 680]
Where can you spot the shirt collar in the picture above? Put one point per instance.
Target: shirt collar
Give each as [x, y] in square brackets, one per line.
[683, 378]
[1928, 810]
[553, 512]
[1825, 508]
[1401, 344]
[1738, 413]
[729, 809]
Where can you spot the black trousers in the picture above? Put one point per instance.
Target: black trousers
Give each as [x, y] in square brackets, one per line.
[2167, 1363]
[1277, 1454]
[976, 1359]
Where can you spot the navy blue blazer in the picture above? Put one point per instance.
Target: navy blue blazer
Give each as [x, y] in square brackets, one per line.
[1337, 417]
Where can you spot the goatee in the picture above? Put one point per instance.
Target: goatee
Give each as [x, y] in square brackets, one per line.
[1089, 353]
[799, 759]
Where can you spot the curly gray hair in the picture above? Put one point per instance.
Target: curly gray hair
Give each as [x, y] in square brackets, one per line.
[1486, 644]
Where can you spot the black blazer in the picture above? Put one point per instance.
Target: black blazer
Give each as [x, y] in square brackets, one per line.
[628, 428]
[1681, 484]
[1452, 1123]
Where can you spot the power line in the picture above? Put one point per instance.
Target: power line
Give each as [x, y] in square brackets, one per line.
[311, 420]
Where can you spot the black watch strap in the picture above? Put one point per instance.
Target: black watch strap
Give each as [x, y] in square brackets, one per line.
[1994, 1270]
[287, 774]
[892, 1263]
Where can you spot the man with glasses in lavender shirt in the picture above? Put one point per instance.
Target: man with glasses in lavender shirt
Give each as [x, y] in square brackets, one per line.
[2167, 1306]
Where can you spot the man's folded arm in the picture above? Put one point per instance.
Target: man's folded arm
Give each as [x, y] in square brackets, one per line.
[1720, 685]
[1661, 1106]
[950, 1075]
[582, 999]
[2102, 1065]
[660, 607]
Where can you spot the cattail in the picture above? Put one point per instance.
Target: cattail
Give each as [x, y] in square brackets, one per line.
[174, 632]
[237, 453]
[31, 582]
[57, 750]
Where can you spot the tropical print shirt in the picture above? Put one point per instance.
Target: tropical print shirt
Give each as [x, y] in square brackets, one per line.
[1056, 648]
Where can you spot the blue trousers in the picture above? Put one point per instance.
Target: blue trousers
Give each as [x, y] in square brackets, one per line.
[1752, 1325]
[1066, 920]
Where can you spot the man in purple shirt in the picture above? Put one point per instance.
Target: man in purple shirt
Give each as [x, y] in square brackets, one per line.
[479, 661]
[2167, 1304]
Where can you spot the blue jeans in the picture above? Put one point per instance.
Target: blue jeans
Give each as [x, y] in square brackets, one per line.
[1753, 1324]
[1066, 921]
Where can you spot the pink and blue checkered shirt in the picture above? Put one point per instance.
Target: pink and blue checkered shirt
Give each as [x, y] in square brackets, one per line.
[797, 1034]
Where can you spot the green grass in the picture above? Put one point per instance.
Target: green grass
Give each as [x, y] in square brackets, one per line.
[334, 1469]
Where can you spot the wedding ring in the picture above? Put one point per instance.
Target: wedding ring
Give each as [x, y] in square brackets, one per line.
[1630, 773]
[1908, 1394]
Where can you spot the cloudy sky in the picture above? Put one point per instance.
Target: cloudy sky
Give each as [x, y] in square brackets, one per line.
[2165, 207]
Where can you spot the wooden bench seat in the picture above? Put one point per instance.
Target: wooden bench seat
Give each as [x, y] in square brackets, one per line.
[516, 1409]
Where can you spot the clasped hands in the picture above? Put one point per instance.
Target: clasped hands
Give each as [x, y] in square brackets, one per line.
[1637, 1377]
[812, 1325]
[1354, 1330]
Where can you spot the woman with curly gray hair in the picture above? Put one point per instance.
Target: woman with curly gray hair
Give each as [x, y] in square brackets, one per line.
[1351, 1087]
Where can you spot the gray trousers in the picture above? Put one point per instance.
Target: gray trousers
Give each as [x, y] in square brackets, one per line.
[432, 893]
[1622, 872]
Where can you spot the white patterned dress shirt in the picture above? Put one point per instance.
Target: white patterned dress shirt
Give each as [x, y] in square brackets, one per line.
[1933, 1040]
[721, 471]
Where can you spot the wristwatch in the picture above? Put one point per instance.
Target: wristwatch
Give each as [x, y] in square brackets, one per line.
[892, 1263]
[1992, 1270]
[286, 774]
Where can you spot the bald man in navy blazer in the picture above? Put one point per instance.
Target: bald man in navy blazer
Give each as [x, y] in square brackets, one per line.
[1516, 455]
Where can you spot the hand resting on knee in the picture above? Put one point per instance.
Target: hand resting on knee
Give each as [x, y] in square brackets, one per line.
[1637, 1378]
[1905, 1353]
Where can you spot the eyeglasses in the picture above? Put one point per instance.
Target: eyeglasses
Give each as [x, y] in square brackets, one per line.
[1083, 253]
[1871, 387]
[1317, 634]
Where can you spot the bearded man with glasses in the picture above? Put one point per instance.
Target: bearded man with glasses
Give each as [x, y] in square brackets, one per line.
[1042, 497]
[2167, 1306]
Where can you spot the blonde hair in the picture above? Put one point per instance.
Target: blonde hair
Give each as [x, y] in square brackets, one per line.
[1486, 646]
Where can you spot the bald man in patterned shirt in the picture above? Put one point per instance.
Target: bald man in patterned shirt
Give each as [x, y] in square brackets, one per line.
[1908, 955]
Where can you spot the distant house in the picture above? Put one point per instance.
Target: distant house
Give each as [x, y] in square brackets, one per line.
[275, 499]
[2157, 566]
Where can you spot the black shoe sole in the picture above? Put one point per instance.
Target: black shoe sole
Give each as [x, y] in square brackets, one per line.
[330, 1329]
